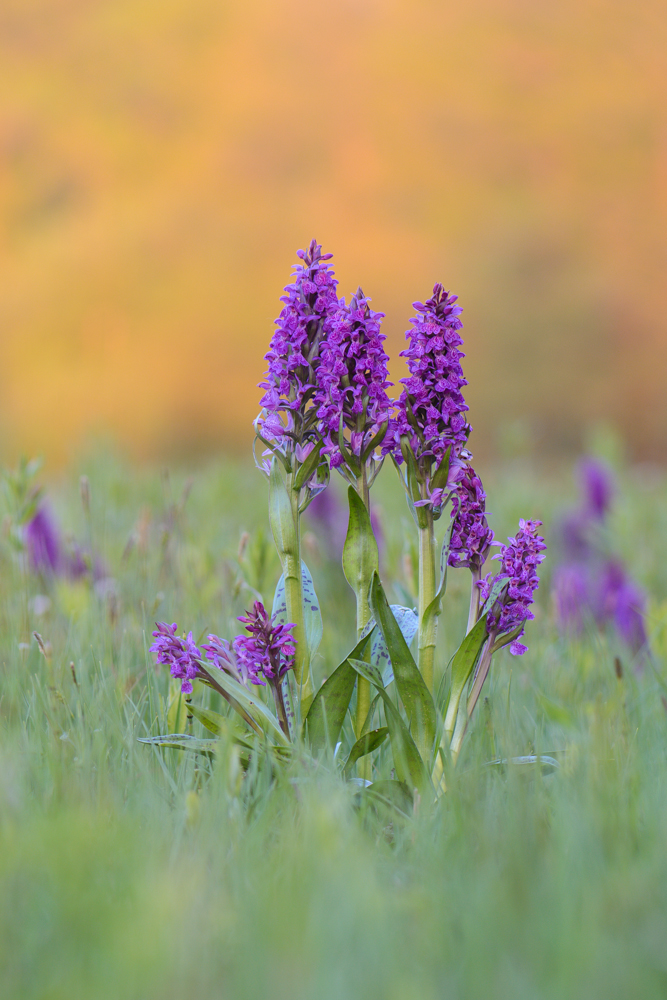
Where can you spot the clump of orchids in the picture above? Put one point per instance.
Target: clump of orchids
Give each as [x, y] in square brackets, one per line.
[326, 406]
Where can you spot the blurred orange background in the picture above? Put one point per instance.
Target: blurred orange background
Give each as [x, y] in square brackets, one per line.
[162, 160]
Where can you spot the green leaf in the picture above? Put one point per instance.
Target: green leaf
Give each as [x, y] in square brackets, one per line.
[395, 794]
[463, 662]
[360, 553]
[527, 765]
[312, 616]
[441, 474]
[505, 640]
[177, 712]
[408, 622]
[408, 762]
[500, 584]
[181, 741]
[281, 517]
[220, 725]
[375, 441]
[434, 608]
[308, 468]
[410, 684]
[366, 744]
[255, 708]
[327, 712]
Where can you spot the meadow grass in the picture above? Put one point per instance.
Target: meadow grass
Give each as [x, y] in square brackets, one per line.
[130, 872]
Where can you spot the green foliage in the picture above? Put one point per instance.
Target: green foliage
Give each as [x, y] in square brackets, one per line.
[133, 870]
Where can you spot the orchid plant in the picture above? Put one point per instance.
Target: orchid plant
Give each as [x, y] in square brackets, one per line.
[326, 407]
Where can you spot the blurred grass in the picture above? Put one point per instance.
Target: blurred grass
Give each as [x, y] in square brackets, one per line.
[117, 879]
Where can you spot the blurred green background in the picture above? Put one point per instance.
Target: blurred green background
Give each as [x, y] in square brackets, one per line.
[160, 163]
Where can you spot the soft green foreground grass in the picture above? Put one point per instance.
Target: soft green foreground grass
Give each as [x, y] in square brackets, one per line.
[117, 881]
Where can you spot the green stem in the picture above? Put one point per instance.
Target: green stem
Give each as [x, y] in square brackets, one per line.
[363, 617]
[473, 614]
[428, 626]
[291, 566]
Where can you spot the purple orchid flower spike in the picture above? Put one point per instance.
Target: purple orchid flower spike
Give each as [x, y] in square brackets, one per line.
[267, 654]
[288, 421]
[519, 561]
[430, 427]
[471, 534]
[181, 655]
[353, 406]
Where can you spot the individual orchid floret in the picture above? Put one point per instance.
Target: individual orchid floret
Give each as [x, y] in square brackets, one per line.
[471, 535]
[431, 412]
[267, 654]
[353, 406]
[181, 655]
[519, 561]
[288, 418]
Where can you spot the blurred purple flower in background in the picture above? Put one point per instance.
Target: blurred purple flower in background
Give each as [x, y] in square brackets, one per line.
[42, 543]
[49, 555]
[597, 487]
[591, 586]
[571, 588]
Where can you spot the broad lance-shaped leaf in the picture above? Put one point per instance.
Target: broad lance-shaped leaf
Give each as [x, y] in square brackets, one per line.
[182, 741]
[394, 794]
[408, 622]
[463, 661]
[312, 616]
[221, 725]
[407, 760]
[251, 704]
[365, 745]
[412, 690]
[360, 553]
[327, 713]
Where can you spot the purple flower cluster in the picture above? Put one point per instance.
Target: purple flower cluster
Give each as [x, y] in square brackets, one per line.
[352, 381]
[268, 651]
[603, 593]
[591, 585]
[181, 655]
[49, 555]
[471, 535]
[431, 409]
[519, 561]
[293, 357]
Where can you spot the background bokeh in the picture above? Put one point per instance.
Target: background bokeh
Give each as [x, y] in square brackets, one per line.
[161, 161]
